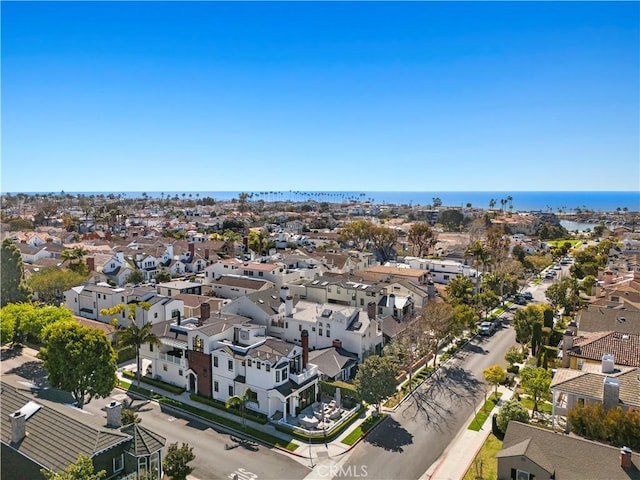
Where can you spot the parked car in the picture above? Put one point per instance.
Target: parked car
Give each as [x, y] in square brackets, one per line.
[486, 328]
[527, 296]
[521, 300]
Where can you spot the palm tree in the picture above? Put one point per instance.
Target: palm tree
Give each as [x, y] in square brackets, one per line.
[134, 335]
[241, 403]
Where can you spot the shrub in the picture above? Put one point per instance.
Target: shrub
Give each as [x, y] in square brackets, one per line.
[249, 414]
[156, 383]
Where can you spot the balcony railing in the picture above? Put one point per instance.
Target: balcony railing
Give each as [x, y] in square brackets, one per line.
[172, 359]
[301, 377]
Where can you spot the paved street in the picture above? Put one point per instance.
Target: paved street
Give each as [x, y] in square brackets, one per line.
[407, 443]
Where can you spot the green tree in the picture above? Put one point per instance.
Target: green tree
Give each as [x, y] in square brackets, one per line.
[50, 283]
[536, 382]
[383, 240]
[513, 355]
[79, 360]
[523, 321]
[460, 291]
[257, 241]
[82, 469]
[163, 276]
[376, 379]
[511, 410]
[451, 220]
[75, 257]
[135, 277]
[240, 402]
[357, 233]
[495, 375]
[134, 335]
[129, 416]
[422, 237]
[29, 320]
[176, 461]
[13, 289]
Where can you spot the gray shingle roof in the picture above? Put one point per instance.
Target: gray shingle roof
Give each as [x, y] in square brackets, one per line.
[566, 456]
[145, 442]
[48, 430]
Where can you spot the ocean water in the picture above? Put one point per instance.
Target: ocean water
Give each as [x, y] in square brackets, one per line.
[520, 201]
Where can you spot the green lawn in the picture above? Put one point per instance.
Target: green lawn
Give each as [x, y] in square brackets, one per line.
[543, 407]
[483, 413]
[559, 243]
[485, 465]
[361, 429]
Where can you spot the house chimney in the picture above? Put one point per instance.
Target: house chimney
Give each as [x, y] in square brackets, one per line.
[610, 393]
[608, 277]
[179, 318]
[304, 340]
[567, 344]
[206, 253]
[205, 312]
[284, 292]
[245, 243]
[288, 306]
[192, 249]
[608, 363]
[371, 310]
[114, 414]
[337, 343]
[625, 457]
[91, 264]
[18, 426]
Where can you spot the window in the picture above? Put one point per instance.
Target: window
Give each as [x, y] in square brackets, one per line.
[151, 347]
[313, 329]
[230, 364]
[319, 324]
[215, 362]
[299, 328]
[320, 331]
[198, 343]
[286, 324]
[180, 372]
[155, 315]
[328, 333]
[258, 365]
[231, 390]
[164, 367]
[248, 362]
[118, 463]
[216, 386]
[277, 376]
[267, 367]
[261, 274]
[285, 374]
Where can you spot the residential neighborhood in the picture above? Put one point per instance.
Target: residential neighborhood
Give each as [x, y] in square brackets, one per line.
[288, 328]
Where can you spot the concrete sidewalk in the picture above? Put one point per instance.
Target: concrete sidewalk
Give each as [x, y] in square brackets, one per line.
[458, 456]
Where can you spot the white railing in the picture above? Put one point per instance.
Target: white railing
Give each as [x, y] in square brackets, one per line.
[171, 359]
[305, 375]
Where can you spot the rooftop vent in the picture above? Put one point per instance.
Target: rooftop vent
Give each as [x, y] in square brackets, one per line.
[326, 313]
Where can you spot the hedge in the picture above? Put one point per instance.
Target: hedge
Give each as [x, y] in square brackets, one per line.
[254, 416]
[125, 354]
[156, 383]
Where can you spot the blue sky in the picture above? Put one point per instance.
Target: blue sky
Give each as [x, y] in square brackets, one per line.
[417, 96]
